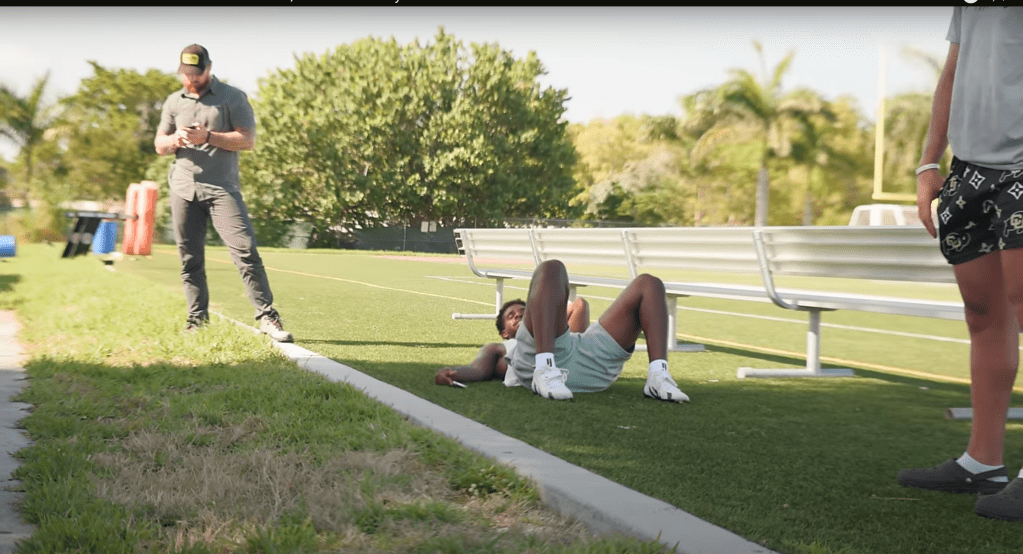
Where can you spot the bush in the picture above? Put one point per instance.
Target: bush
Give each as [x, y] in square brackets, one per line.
[35, 225]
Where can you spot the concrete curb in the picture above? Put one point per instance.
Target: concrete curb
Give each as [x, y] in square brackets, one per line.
[12, 379]
[604, 506]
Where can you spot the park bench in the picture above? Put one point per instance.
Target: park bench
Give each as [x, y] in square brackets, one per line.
[612, 257]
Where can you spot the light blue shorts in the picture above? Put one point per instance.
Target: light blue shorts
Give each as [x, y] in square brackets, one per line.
[592, 358]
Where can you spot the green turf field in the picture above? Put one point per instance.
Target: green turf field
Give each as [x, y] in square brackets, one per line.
[803, 466]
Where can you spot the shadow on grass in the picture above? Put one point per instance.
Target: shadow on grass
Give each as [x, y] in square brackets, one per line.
[860, 372]
[7, 282]
[789, 461]
[217, 448]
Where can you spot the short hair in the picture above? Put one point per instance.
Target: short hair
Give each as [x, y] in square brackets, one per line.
[504, 308]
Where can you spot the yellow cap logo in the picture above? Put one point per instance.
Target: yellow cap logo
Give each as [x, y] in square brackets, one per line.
[190, 59]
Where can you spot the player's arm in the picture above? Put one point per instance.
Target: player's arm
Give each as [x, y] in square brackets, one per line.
[166, 140]
[166, 143]
[242, 120]
[929, 182]
[489, 364]
[242, 138]
[578, 315]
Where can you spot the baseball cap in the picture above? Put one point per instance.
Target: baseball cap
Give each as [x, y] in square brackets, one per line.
[194, 60]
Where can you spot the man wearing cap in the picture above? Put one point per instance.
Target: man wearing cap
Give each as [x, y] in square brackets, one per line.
[205, 125]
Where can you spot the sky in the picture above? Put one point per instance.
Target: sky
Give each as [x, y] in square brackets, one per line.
[612, 60]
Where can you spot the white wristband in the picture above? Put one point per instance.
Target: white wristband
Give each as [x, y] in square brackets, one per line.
[925, 167]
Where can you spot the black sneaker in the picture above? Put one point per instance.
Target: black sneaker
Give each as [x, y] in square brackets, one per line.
[949, 476]
[1006, 504]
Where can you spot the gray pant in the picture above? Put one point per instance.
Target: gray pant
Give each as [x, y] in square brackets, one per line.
[231, 220]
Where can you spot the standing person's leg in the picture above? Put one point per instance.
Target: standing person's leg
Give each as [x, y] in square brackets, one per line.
[641, 307]
[971, 233]
[992, 375]
[994, 350]
[231, 220]
[189, 219]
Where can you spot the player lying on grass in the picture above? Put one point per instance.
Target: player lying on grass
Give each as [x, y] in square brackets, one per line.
[557, 352]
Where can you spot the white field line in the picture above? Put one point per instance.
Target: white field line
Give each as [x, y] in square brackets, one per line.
[752, 316]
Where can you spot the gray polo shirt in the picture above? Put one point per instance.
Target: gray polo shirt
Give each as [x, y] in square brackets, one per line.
[201, 170]
[985, 125]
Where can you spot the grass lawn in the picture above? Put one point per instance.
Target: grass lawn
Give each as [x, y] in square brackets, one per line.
[801, 466]
[150, 439]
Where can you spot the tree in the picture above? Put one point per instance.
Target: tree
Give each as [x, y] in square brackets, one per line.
[603, 149]
[23, 121]
[906, 119]
[375, 132]
[106, 130]
[745, 109]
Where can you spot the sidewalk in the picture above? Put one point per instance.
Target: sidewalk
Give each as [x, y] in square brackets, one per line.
[12, 439]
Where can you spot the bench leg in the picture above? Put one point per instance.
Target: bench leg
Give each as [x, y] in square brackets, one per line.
[81, 238]
[813, 358]
[956, 414]
[673, 344]
[498, 301]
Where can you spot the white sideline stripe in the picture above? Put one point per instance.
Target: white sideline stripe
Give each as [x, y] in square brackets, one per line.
[754, 316]
[602, 505]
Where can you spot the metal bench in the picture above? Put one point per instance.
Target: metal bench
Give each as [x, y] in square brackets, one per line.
[612, 257]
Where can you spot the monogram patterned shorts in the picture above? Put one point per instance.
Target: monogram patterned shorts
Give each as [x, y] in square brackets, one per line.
[980, 210]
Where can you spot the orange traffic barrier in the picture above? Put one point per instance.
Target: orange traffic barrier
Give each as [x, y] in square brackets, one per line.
[145, 208]
[128, 242]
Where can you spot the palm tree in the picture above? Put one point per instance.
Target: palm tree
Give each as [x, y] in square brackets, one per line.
[24, 120]
[907, 118]
[745, 109]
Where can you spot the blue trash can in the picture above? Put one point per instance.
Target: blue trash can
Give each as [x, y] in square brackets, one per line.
[8, 246]
[105, 238]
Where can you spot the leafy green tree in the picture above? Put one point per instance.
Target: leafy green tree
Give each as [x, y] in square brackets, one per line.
[23, 121]
[604, 149]
[106, 130]
[750, 110]
[644, 170]
[906, 119]
[376, 132]
[5, 180]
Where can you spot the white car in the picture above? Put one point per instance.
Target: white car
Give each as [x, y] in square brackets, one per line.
[884, 214]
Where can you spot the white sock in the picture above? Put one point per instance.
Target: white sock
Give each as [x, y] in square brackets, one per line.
[544, 361]
[658, 364]
[973, 466]
[1020, 475]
